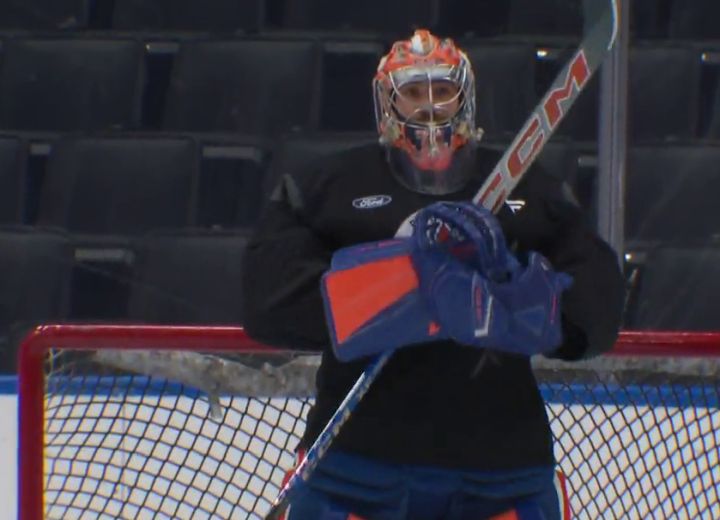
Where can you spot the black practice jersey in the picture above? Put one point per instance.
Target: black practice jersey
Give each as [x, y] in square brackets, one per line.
[439, 403]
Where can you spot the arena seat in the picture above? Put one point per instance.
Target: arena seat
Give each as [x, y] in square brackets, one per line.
[694, 20]
[545, 17]
[247, 86]
[658, 75]
[671, 193]
[120, 185]
[35, 274]
[347, 97]
[188, 278]
[395, 19]
[13, 161]
[677, 289]
[71, 84]
[505, 85]
[188, 15]
[42, 15]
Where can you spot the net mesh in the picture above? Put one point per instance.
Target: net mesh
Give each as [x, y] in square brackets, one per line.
[634, 439]
[121, 445]
[634, 448]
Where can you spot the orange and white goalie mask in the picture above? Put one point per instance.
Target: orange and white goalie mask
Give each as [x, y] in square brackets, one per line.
[424, 94]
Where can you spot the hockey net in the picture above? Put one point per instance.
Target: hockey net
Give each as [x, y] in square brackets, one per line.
[201, 422]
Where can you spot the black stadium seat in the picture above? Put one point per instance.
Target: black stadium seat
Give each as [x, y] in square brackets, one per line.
[545, 17]
[230, 190]
[671, 193]
[659, 76]
[505, 80]
[678, 289]
[713, 130]
[187, 15]
[35, 273]
[648, 19]
[695, 19]
[477, 18]
[347, 99]
[120, 185]
[664, 92]
[70, 84]
[188, 278]
[248, 86]
[37, 15]
[396, 19]
[13, 161]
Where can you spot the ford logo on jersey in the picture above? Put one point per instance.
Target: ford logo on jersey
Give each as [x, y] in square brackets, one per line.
[372, 202]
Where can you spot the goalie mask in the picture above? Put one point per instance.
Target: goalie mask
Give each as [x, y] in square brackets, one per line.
[424, 94]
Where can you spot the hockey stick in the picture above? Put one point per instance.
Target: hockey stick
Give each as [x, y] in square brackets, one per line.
[515, 162]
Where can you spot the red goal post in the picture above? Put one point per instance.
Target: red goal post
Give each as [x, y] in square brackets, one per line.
[592, 400]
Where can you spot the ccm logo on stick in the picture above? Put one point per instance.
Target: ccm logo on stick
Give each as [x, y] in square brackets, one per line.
[534, 134]
[374, 201]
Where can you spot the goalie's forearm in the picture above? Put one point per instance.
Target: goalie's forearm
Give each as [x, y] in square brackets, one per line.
[593, 307]
[287, 315]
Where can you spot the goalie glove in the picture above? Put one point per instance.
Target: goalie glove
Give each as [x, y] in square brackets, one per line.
[477, 291]
[371, 293]
[468, 232]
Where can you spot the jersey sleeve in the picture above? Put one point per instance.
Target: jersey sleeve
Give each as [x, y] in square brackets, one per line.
[283, 264]
[592, 307]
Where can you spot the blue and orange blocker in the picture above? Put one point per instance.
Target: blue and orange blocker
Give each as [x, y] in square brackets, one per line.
[368, 286]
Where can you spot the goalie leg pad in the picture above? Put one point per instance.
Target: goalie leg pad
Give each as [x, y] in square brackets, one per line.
[317, 506]
[549, 503]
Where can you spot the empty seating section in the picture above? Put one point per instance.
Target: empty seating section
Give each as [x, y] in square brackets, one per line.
[35, 264]
[246, 86]
[545, 17]
[160, 127]
[230, 189]
[505, 86]
[35, 267]
[43, 15]
[395, 18]
[188, 277]
[678, 288]
[660, 78]
[348, 69]
[672, 194]
[70, 84]
[473, 18]
[649, 19]
[120, 185]
[694, 20]
[13, 161]
[187, 15]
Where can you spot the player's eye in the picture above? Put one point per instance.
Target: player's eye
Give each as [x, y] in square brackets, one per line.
[443, 93]
[412, 92]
